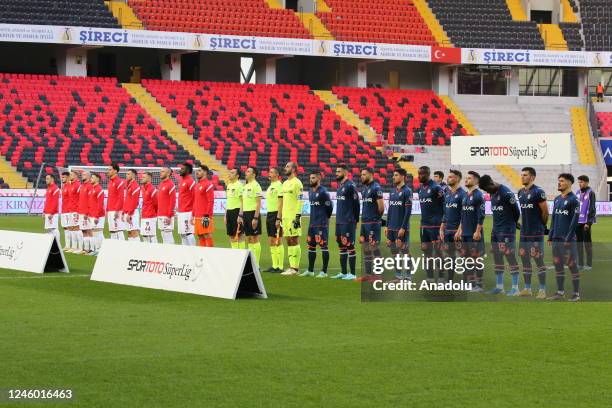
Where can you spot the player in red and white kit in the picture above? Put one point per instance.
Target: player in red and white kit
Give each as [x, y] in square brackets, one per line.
[166, 203]
[114, 205]
[85, 221]
[51, 210]
[131, 219]
[75, 230]
[185, 205]
[96, 212]
[148, 224]
[66, 218]
[203, 205]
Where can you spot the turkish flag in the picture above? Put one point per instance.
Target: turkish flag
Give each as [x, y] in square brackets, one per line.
[446, 55]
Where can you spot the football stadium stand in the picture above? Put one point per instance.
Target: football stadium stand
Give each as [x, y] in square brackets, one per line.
[596, 18]
[87, 13]
[485, 24]
[268, 125]
[571, 34]
[604, 120]
[60, 121]
[232, 17]
[414, 117]
[386, 21]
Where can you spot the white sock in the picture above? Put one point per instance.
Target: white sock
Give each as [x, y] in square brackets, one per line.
[67, 238]
[79, 240]
[120, 236]
[184, 240]
[167, 237]
[191, 240]
[56, 234]
[134, 239]
[86, 243]
[99, 236]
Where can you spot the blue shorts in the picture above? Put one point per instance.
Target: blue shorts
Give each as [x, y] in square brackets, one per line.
[532, 246]
[471, 248]
[430, 234]
[317, 235]
[345, 234]
[449, 235]
[392, 236]
[370, 232]
[564, 253]
[503, 241]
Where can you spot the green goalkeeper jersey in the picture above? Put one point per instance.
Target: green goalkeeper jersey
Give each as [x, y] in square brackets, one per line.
[234, 195]
[250, 193]
[272, 194]
[292, 198]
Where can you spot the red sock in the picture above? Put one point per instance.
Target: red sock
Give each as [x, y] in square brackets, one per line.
[202, 242]
[209, 242]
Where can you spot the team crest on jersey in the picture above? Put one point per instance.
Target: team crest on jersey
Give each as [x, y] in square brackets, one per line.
[528, 196]
[565, 202]
[456, 195]
[428, 190]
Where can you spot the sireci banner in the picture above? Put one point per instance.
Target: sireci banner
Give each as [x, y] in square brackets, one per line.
[516, 150]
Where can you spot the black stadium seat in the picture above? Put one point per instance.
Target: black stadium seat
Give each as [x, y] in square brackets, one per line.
[87, 13]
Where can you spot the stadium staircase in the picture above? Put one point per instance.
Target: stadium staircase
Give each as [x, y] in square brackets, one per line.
[506, 172]
[569, 15]
[174, 130]
[125, 15]
[11, 176]
[314, 25]
[503, 115]
[516, 10]
[553, 37]
[432, 23]
[582, 136]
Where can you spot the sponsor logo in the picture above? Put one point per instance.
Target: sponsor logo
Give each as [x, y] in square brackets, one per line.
[355, 49]
[561, 212]
[452, 205]
[471, 56]
[197, 42]
[167, 269]
[468, 208]
[104, 36]
[233, 43]
[67, 34]
[536, 152]
[497, 208]
[11, 252]
[527, 206]
[425, 200]
[506, 56]
[393, 202]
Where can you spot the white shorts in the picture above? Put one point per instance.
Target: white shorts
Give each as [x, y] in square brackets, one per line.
[69, 220]
[165, 227]
[99, 225]
[134, 224]
[148, 227]
[115, 225]
[184, 223]
[84, 223]
[51, 224]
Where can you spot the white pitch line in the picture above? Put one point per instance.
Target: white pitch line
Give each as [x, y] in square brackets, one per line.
[60, 275]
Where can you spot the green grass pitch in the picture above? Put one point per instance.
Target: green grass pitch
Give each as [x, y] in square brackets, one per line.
[313, 343]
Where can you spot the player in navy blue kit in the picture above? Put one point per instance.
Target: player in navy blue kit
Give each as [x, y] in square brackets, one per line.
[534, 218]
[373, 208]
[438, 178]
[347, 217]
[398, 218]
[506, 213]
[453, 202]
[321, 209]
[566, 211]
[431, 199]
[470, 231]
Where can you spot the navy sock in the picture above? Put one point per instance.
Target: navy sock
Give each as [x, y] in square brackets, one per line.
[312, 257]
[343, 259]
[325, 254]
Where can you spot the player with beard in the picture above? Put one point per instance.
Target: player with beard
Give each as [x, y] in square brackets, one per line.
[321, 209]
[566, 213]
[431, 198]
[438, 178]
[373, 208]
[534, 217]
[148, 223]
[347, 217]
[166, 203]
[185, 205]
[398, 218]
[506, 214]
[289, 216]
[131, 216]
[470, 231]
[453, 203]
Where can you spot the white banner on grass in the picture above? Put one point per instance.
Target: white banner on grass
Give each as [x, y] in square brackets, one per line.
[519, 150]
[218, 272]
[30, 252]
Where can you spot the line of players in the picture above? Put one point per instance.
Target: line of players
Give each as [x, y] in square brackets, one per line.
[83, 211]
[451, 219]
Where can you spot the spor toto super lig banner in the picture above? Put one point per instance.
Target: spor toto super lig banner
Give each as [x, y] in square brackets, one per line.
[533, 150]
[219, 272]
[293, 46]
